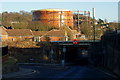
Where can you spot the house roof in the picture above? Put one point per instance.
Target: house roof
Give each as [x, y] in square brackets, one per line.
[3, 31]
[19, 32]
[74, 31]
[56, 33]
[39, 33]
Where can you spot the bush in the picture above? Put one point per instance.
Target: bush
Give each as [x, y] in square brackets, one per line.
[10, 65]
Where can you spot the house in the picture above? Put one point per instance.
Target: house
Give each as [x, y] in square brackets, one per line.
[3, 34]
[38, 34]
[72, 34]
[75, 34]
[19, 34]
[55, 35]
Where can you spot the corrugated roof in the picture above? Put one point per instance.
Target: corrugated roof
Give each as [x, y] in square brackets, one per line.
[39, 33]
[20, 32]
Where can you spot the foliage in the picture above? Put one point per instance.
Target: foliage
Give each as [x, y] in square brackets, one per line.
[10, 60]
[114, 25]
[20, 25]
[9, 65]
[23, 20]
[84, 26]
[16, 19]
[0, 19]
[38, 26]
[100, 21]
[23, 44]
[87, 29]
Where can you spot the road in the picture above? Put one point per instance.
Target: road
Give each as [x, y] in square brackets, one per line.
[70, 72]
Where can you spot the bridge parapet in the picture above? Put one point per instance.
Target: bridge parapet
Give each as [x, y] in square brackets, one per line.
[80, 42]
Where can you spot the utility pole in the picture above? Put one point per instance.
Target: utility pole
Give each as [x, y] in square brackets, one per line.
[93, 10]
[60, 18]
[78, 21]
[89, 24]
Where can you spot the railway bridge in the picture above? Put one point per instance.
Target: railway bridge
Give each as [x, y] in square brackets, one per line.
[74, 53]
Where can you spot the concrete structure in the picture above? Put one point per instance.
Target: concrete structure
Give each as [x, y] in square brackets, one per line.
[111, 51]
[54, 17]
[67, 52]
[80, 43]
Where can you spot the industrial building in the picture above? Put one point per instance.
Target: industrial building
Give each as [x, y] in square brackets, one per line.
[54, 17]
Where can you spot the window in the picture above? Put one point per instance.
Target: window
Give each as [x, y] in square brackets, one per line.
[62, 21]
[12, 39]
[62, 16]
[0, 38]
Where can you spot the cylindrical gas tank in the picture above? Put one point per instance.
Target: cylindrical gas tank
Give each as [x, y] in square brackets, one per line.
[54, 17]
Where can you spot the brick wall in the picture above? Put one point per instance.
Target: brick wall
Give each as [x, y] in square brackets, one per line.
[4, 37]
[16, 38]
[57, 38]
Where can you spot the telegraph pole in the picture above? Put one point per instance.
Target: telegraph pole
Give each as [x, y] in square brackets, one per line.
[78, 21]
[93, 10]
[60, 18]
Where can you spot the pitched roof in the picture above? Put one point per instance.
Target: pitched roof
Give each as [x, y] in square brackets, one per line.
[20, 32]
[3, 31]
[39, 33]
[56, 33]
[74, 31]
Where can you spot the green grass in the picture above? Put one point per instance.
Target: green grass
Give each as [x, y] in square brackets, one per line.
[9, 66]
[10, 60]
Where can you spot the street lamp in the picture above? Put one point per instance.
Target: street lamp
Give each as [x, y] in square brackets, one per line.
[93, 9]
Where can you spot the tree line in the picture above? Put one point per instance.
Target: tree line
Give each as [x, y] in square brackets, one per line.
[0, 19]
[22, 20]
